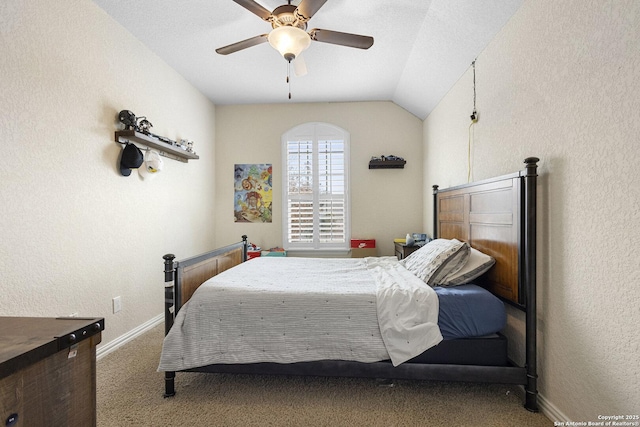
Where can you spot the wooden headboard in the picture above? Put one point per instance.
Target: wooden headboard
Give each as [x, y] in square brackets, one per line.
[495, 216]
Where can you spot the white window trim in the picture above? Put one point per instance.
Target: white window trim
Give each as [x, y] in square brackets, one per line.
[310, 131]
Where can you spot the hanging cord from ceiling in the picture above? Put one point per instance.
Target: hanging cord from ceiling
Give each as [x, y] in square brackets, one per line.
[474, 120]
[474, 114]
[469, 150]
[289, 77]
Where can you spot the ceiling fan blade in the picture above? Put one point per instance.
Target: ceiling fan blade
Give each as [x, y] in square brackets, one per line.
[344, 39]
[253, 41]
[307, 8]
[254, 7]
[299, 66]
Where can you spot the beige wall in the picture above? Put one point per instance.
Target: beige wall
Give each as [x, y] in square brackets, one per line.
[386, 203]
[560, 82]
[74, 232]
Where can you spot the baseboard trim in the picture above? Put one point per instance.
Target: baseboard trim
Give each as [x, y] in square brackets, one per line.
[550, 410]
[113, 345]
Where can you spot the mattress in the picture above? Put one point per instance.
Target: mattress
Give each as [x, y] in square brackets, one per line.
[469, 311]
[287, 310]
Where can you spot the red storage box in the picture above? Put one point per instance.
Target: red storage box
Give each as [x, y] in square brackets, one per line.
[253, 254]
[363, 243]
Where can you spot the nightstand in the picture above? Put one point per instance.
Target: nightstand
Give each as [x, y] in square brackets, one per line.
[403, 251]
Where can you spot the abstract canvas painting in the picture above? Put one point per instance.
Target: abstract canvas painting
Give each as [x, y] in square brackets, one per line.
[253, 194]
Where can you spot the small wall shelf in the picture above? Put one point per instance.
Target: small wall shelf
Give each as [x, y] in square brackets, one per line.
[165, 149]
[387, 164]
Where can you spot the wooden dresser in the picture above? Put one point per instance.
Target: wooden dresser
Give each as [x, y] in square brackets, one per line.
[48, 371]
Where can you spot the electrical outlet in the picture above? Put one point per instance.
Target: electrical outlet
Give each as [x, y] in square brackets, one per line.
[117, 304]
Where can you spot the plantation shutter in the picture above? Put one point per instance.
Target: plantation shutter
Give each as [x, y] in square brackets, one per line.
[315, 190]
[300, 191]
[331, 194]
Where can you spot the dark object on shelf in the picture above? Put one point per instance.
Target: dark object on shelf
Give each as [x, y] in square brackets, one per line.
[131, 122]
[131, 158]
[144, 125]
[164, 145]
[128, 119]
[387, 162]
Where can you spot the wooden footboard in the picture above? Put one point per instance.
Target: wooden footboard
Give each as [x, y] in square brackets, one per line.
[183, 277]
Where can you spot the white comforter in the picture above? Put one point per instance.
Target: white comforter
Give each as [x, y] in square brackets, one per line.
[288, 310]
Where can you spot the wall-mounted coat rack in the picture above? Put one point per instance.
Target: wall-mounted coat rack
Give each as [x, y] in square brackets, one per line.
[165, 149]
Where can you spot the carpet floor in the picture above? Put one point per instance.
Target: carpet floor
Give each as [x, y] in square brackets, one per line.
[129, 393]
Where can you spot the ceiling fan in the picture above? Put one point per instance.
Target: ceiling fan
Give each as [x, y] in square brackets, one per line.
[289, 35]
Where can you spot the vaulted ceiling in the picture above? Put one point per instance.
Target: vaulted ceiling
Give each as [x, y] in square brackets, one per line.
[421, 48]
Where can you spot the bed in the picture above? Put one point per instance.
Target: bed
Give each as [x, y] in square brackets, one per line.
[391, 327]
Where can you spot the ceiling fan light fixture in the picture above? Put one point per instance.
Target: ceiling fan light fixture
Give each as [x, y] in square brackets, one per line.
[289, 41]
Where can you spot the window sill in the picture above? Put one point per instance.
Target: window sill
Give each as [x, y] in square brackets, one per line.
[319, 253]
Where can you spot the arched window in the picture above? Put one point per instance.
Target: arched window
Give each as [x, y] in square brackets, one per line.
[316, 188]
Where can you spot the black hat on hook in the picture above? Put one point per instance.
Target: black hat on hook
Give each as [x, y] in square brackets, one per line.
[131, 158]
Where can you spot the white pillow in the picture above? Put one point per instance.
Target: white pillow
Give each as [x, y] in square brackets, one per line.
[437, 259]
[477, 264]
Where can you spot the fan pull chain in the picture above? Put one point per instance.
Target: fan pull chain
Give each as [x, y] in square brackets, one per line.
[289, 77]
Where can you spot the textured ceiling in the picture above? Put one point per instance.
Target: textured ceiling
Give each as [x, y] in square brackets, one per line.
[421, 48]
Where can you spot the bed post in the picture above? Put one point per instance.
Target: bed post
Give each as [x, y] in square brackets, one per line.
[245, 245]
[435, 211]
[169, 275]
[169, 303]
[530, 187]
